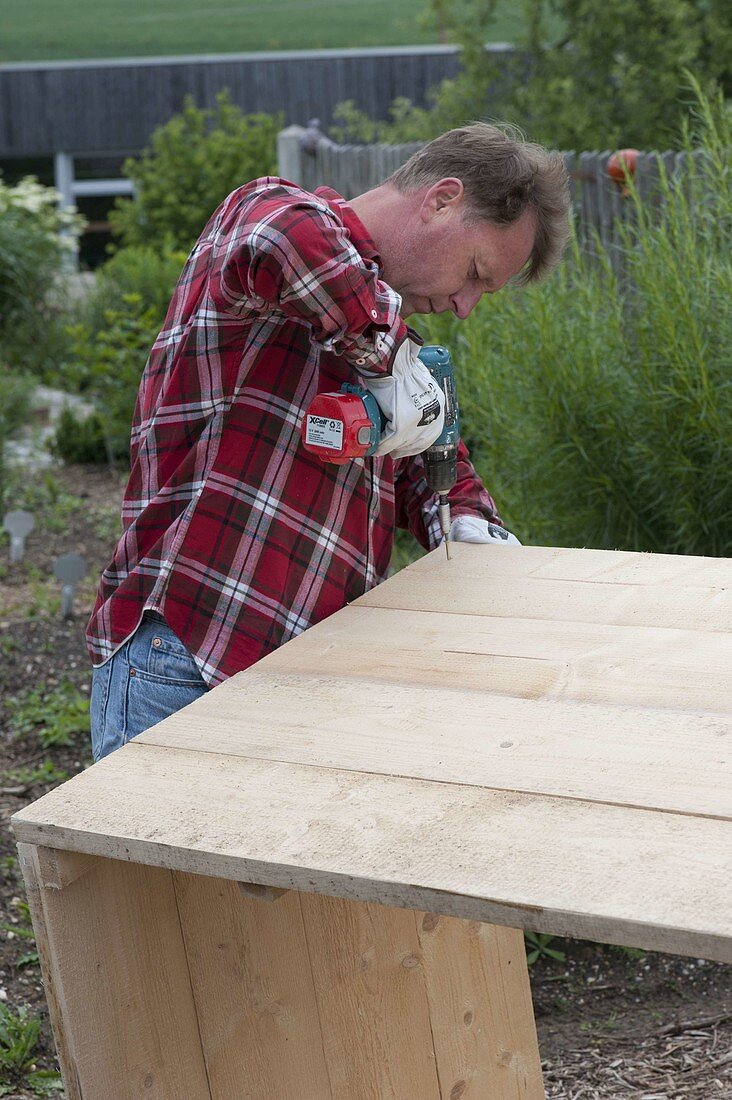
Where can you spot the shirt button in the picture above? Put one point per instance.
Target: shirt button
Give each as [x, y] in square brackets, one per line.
[157, 642]
[374, 314]
[360, 362]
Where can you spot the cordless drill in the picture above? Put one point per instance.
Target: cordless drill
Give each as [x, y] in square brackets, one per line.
[348, 424]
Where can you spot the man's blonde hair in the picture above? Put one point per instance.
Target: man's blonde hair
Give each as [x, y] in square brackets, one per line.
[503, 175]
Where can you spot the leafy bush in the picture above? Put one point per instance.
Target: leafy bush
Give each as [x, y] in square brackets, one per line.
[615, 75]
[108, 366]
[589, 75]
[16, 391]
[34, 238]
[193, 163]
[15, 399]
[599, 407]
[141, 270]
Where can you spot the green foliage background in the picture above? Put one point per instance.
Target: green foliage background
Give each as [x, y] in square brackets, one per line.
[193, 163]
[599, 409]
[110, 341]
[588, 74]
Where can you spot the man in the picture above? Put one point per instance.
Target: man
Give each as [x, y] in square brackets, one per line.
[235, 538]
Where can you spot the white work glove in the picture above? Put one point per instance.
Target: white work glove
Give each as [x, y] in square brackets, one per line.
[411, 401]
[475, 529]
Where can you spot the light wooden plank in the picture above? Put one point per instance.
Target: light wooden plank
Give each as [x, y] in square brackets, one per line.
[372, 1001]
[59, 869]
[600, 872]
[529, 658]
[254, 993]
[52, 977]
[629, 756]
[123, 1007]
[480, 1007]
[628, 568]
[473, 583]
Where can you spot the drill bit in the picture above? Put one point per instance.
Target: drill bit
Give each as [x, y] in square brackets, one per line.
[444, 510]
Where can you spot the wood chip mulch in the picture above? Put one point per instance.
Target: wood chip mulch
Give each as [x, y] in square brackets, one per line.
[690, 1059]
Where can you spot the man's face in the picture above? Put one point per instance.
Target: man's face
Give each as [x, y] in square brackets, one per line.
[441, 261]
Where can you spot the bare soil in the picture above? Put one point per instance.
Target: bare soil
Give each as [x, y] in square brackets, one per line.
[612, 1024]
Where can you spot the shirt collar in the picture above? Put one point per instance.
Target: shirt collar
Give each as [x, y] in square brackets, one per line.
[359, 234]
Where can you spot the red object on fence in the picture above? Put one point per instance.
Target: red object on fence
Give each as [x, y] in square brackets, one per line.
[621, 166]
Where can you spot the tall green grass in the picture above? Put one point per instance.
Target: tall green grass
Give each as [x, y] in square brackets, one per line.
[599, 407]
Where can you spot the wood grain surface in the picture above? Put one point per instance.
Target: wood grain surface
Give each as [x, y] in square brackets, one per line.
[532, 736]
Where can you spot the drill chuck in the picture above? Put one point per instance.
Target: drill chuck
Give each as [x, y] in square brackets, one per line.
[440, 468]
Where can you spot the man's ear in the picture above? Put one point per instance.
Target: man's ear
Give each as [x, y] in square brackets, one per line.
[441, 198]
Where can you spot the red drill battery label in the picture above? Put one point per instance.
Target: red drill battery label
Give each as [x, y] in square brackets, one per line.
[323, 431]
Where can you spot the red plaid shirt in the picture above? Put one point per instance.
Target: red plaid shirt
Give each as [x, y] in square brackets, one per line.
[232, 531]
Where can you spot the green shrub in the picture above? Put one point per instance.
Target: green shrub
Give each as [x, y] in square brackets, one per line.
[34, 238]
[16, 391]
[107, 367]
[147, 272]
[193, 163]
[588, 75]
[599, 408]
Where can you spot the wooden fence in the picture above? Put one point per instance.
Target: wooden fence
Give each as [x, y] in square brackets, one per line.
[95, 108]
[600, 207]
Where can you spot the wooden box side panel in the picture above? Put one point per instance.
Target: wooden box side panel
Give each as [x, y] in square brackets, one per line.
[310, 997]
[253, 989]
[117, 981]
[481, 1011]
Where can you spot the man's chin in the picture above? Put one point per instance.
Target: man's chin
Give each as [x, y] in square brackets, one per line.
[409, 309]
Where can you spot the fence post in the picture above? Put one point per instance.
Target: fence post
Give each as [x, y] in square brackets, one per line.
[290, 154]
[63, 172]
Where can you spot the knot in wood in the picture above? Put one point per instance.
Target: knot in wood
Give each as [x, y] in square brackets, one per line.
[458, 1090]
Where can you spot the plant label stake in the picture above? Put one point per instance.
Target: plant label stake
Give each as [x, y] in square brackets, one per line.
[18, 525]
[69, 569]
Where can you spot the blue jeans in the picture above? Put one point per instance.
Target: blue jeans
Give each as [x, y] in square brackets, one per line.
[150, 677]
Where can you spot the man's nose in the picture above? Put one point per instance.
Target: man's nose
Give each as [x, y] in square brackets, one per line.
[465, 300]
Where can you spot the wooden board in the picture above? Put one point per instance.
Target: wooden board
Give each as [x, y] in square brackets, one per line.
[536, 583]
[480, 1008]
[672, 668]
[631, 756]
[255, 1002]
[597, 871]
[117, 982]
[372, 1001]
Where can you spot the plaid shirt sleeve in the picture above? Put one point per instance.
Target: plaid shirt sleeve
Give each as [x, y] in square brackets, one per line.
[296, 257]
[416, 504]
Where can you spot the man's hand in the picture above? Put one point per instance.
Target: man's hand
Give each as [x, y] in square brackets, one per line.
[411, 401]
[475, 529]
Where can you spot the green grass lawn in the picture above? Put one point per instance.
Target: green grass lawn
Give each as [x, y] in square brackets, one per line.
[51, 30]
